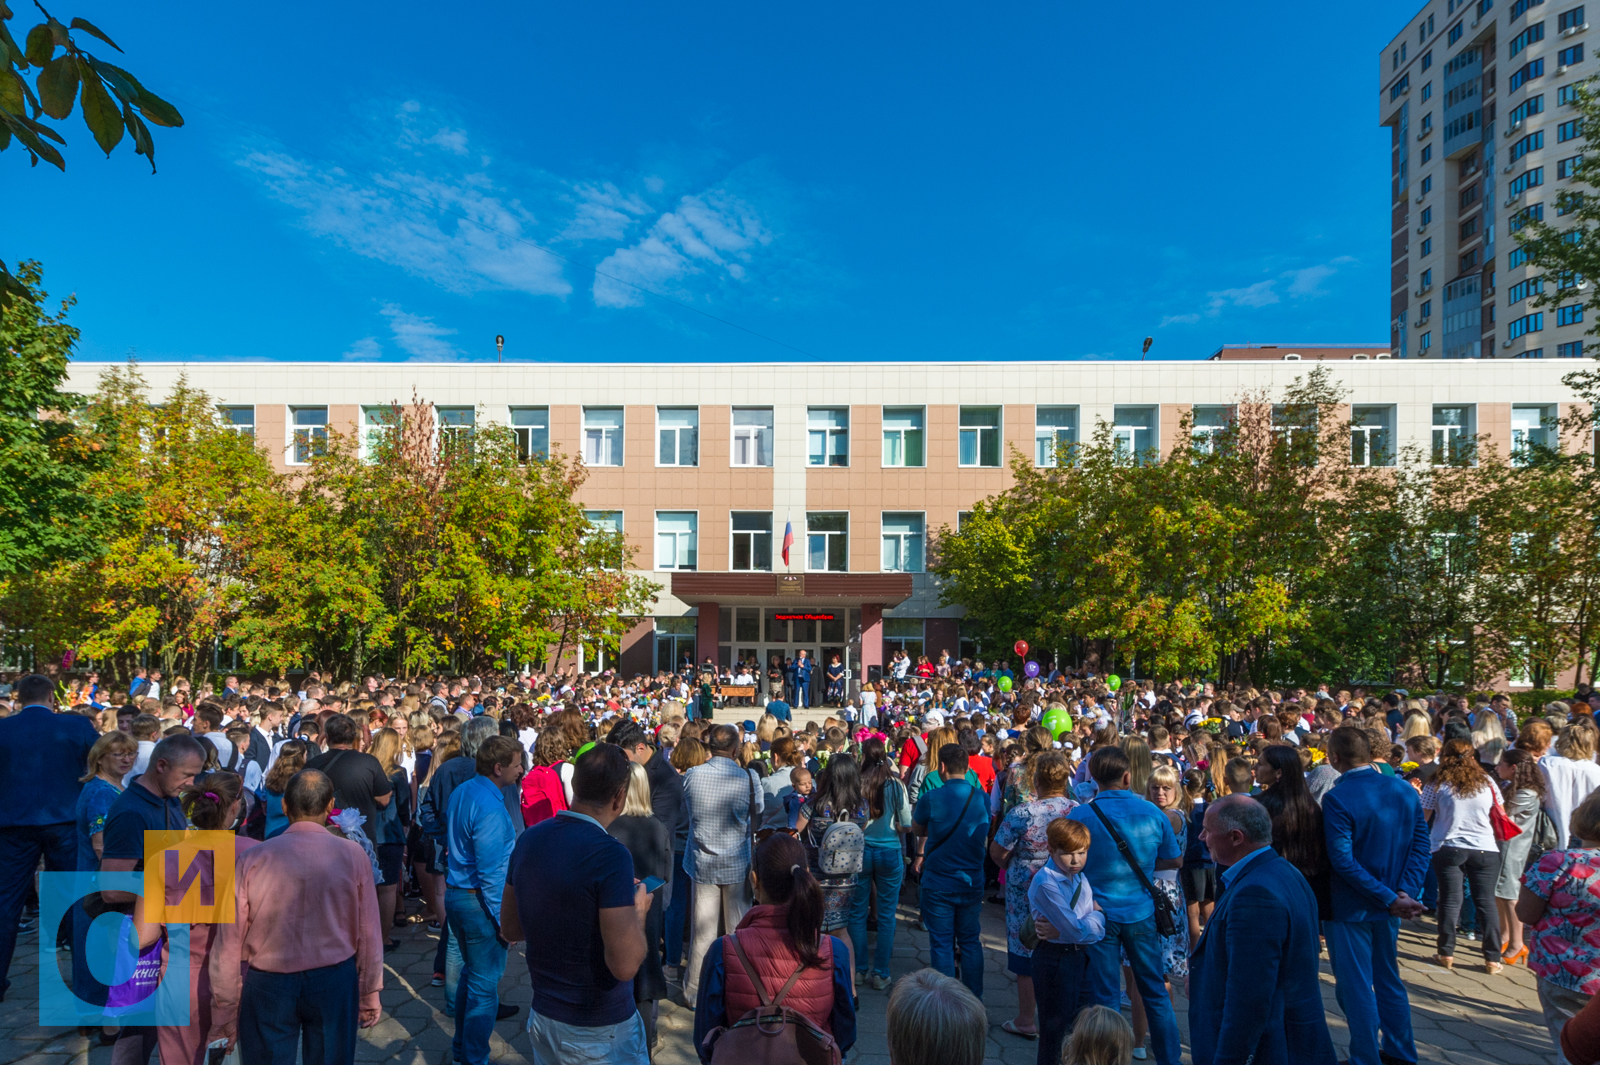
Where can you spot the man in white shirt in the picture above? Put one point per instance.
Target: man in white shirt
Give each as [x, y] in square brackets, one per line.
[1570, 774]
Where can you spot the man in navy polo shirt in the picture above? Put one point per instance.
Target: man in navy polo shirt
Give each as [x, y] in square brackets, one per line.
[42, 755]
[149, 804]
[572, 884]
[954, 823]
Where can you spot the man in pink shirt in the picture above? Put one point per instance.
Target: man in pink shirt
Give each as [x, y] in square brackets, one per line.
[307, 928]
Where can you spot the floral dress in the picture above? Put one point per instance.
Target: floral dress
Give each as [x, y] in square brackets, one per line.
[1564, 947]
[1023, 834]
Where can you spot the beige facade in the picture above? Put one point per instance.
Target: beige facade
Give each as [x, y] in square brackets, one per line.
[872, 600]
[1477, 96]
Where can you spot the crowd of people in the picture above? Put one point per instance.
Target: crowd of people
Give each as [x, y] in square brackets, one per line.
[756, 871]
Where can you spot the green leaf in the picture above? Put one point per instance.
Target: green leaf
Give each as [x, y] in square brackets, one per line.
[41, 44]
[153, 107]
[141, 136]
[5, 137]
[11, 98]
[100, 112]
[58, 87]
[88, 27]
[20, 127]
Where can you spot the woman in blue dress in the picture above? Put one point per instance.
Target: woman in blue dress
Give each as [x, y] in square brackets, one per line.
[110, 759]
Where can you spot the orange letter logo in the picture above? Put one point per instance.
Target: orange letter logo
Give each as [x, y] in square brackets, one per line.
[188, 877]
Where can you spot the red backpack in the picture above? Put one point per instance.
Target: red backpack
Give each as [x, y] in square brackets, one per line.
[771, 1034]
[542, 794]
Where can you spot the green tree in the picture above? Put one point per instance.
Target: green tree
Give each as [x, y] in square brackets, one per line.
[46, 456]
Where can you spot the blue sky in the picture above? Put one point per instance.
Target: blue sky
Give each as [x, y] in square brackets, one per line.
[824, 181]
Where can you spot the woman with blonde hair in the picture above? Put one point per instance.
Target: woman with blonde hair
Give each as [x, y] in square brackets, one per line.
[110, 759]
[928, 765]
[689, 753]
[1099, 1037]
[1140, 763]
[389, 834]
[650, 843]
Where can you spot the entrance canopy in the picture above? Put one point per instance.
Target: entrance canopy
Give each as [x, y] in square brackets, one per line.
[804, 590]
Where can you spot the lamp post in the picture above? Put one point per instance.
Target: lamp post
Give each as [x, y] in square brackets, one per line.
[500, 347]
[1147, 342]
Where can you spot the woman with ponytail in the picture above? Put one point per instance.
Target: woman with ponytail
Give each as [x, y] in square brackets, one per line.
[782, 933]
[213, 803]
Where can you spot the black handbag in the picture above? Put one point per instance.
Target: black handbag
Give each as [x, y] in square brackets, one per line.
[1166, 920]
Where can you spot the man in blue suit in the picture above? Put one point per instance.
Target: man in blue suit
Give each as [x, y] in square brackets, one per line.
[800, 681]
[42, 755]
[1378, 848]
[1253, 989]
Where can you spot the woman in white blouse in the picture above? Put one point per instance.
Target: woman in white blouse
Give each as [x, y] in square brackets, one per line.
[1457, 802]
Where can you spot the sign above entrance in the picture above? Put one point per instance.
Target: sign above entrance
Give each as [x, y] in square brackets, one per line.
[791, 584]
[804, 617]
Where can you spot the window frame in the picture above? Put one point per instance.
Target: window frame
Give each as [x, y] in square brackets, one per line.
[372, 431]
[903, 438]
[524, 434]
[608, 443]
[225, 418]
[757, 434]
[753, 547]
[981, 435]
[680, 446]
[1384, 452]
[1056, 435]
[315, 436]
[694, 541]
[906, 541]
[827, 536]
[1455, 447]
[829, 436]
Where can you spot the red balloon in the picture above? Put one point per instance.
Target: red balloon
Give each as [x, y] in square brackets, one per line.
[1021, 647]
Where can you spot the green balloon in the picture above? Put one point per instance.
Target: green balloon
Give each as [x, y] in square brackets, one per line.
[1058, 721]
[1113, 682]
[1005, 684]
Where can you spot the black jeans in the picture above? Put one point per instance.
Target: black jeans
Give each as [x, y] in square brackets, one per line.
[20, 848]
[1061, 987]
[1480, 868]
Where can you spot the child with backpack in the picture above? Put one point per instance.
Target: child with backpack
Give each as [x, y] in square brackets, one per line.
[832, 826]
[777, 970]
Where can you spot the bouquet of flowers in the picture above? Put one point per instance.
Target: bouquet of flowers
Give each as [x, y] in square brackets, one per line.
[1317, 757]
[1212, 725]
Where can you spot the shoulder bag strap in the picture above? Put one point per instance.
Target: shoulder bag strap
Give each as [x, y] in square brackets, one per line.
[1127, 853]
[971, 791]
[749, 971]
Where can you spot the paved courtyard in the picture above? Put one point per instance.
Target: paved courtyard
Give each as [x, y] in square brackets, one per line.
[1460, 1016]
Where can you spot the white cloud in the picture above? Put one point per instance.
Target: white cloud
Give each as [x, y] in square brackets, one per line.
[714, 232]
[1259, 294]
[419, 336]
[1179, 319]
[365, 348]
[1303, 283]
[604, 212]
[456, 231]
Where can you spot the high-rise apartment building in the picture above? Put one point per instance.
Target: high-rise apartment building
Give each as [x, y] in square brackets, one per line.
[1477, 95]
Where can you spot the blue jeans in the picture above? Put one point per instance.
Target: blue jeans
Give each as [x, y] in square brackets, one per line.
[20, 848]
[884, 866]
[1143, 947]
[951, 917]
[473, 968]
[677, 910]
[1367, 984]
[317, 1007]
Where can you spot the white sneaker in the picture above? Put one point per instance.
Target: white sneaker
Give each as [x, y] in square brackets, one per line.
[1139, 1054]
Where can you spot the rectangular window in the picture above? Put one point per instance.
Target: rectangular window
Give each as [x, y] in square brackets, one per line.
[752, 436]
[1452, 435]
[676, 534]
[979, 436]
[1484, 7]
[827, 542]
[1133, 434]
[1427, 59]
[1568, 202]
[1427, 152]
[1568, 280]
[379, 426]
[1566, 94]
[1469, 195]
[678, 436]
[1571, 314]
[1520, 8]
[1533, 105]
[1526, 180]
[1427, 184]
[1427, 247]
[310, 438]
[828, 436]
[1427, 91]
[1526, 73]
[1468, 261]
[531, 427]
[241, 420]
[1055, 431]
[1569, 130]
[1427, 279]
[1424, 344]
[1516, 258]
[1454, 35]
[1427, 215]
[1372, 436]
[1569, 57]
[1208, 423]
[902, 543]
[602, 436]
[1399, 87]
[607, 523]
[1532, 429]
[1425, 311]
[902, 436]
[1470, 226]
[1523, 289]
[1531, 142]
[1427, 123]
[1534, 32]
[1569, 20]
[1531, 353]
[1570, 350]
[1528, 323]
[1532, 213]
[456, 427]
[1565, 168]
[752, 541]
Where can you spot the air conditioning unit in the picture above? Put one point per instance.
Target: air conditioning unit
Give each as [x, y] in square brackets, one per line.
[1422, 323]
[1382, 355]
[1291, 357]
[1507, 168]
[1505, 343]
[1359, 357]
[1570, 30]
[1421, 230]
[1425, 134]
[1512, 129]
[1562, 69]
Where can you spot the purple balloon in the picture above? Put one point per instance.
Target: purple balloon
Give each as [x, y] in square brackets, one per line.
[1031, 669]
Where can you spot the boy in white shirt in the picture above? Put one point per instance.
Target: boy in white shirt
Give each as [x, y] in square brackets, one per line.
[1067, 919]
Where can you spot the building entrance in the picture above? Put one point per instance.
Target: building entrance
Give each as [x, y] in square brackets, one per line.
[766, 639]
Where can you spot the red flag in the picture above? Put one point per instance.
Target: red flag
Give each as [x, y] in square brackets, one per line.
[788, 540]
